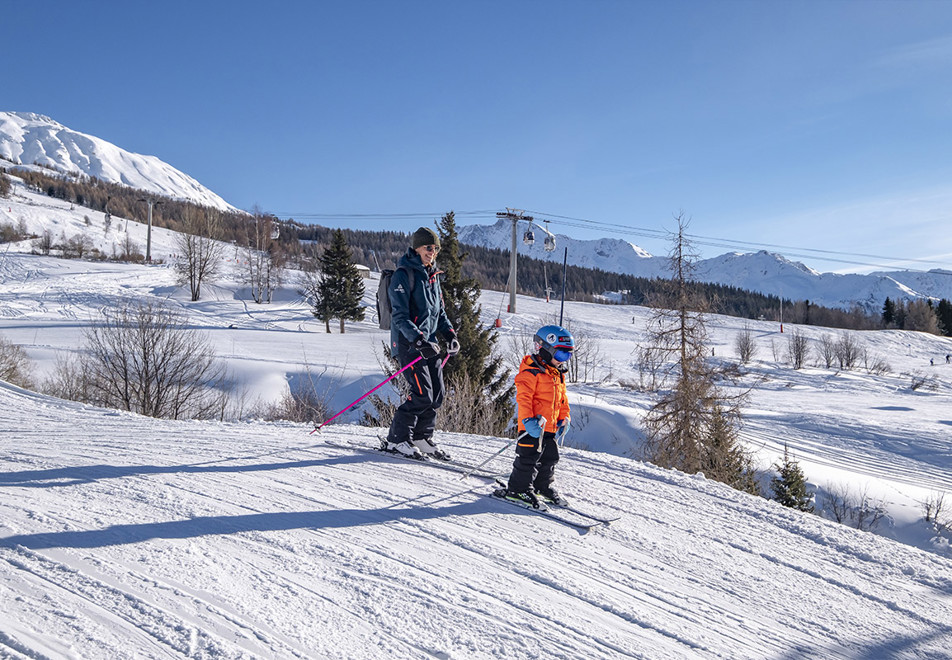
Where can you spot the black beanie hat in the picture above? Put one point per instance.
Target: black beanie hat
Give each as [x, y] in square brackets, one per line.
[424, 236]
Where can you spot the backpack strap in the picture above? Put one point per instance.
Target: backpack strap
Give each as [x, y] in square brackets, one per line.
[411, 281]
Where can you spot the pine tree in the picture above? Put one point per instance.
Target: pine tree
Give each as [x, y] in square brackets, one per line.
[340, 287]
[4, 185]
[790, 486]
[694, 426]
[889, 313]
[476, 361]
[944, 314]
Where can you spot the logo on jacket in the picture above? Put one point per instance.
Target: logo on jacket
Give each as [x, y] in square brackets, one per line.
[399, 289]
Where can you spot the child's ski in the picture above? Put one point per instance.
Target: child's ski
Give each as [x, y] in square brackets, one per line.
[570, 507]
[543, 510]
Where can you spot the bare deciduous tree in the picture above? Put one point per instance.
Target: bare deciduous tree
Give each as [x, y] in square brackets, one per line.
[797, 349]
[826, 350]
[67, 380]
[650, 362]
[745, 345]
[145, 360]
[920, 316]
[263, 267]
[201, 252]
[858, 510]
[461, 412]
[848, 350]
[44, 244]
[15, 365]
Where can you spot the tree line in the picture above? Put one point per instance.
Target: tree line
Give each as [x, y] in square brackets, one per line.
[292, 243]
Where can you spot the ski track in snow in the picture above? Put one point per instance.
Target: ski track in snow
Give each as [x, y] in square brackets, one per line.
[285, 547]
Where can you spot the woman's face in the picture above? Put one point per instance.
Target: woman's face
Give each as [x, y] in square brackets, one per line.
[427, 254]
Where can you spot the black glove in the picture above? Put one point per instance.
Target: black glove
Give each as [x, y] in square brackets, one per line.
[426, 348]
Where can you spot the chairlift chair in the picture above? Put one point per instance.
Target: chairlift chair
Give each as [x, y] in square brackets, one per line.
[529, 237]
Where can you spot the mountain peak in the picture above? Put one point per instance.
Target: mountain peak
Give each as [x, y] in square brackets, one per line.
[29, 139]
[763, 271]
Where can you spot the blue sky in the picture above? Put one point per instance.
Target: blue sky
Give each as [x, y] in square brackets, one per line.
[815, 126]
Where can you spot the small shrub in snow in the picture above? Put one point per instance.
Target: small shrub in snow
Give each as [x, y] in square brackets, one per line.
[857, 510]
[15, 365]
[307, 400]
[848, 350]
[935, 513]
[919, 380]
[745, 345]
[789, 487]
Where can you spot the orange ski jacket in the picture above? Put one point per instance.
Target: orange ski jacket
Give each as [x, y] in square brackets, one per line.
[540, 390]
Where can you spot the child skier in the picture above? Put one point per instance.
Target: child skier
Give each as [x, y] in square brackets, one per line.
[543, 413]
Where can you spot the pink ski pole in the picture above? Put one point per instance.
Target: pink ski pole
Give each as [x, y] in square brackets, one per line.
[418, 358]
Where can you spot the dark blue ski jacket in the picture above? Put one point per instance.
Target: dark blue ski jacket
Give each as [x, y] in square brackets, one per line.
[418, 309]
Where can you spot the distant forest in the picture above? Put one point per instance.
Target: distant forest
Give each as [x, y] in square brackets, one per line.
[381, 249]
[491, 268]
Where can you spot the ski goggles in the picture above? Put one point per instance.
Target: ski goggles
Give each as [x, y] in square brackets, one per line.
[562, 355]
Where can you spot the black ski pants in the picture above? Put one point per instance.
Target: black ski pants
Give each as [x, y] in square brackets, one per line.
[415, 418]
[534, 465]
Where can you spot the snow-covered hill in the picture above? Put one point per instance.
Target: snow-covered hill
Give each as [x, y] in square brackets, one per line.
[764, 272]
[124, 535]
[31, 139]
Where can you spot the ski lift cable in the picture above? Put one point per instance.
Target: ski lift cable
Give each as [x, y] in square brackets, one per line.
[731, 243]
[643, 232]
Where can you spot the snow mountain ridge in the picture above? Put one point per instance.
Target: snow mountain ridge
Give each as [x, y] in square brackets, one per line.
[31, 139]
[763, 272]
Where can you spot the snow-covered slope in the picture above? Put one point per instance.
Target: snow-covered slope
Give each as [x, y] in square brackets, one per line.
[763, 271]
[31, 139]
[124, 535]
[121, 535]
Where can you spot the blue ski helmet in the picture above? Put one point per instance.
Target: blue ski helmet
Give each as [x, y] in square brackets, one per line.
[554, 343]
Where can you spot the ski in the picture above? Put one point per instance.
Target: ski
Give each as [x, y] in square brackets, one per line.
[451, 466]
[569, 507]
[546, 512]
[585, 514]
